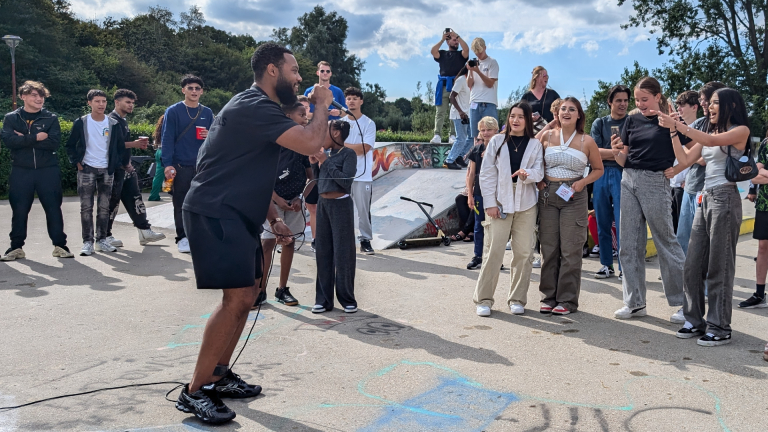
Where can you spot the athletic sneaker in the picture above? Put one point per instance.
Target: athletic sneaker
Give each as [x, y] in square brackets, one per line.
[318, 308]
[436, 139]
[677, 317]
[688, 331]
[615, 253]
[104, 246]
[283, 295]
[205, 404]
[595, 251]
[621, 275]
[545, 309]
[462, 163]
[560, 310]
[260, 299]
[452, 165]
[13, 254]
[61, 252]
[312, 246]
[350, 309]
[585, 251]
[754, 302]
[483, 311]
[365, 247]
[517, 309]
[233, 387]
[627, 313]
[536, 262]
[115, 242]
[183, 245]
[451, 139]
[710, 340]
[87, 249]
[604, 272]
[476, 263]
[149, 236]
[509, 245]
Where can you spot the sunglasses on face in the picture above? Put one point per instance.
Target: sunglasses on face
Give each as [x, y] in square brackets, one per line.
[325, 71]
[190, 88]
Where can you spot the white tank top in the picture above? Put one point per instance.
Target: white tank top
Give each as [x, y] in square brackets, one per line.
[564, 162]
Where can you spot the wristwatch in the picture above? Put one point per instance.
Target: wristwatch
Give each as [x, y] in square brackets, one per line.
[276, 220]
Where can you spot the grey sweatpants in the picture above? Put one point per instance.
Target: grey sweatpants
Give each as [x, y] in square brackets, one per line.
[361, 195]
[646, 197]
[712, 257]
[335, 252]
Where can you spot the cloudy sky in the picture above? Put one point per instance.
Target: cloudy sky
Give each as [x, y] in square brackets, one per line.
[578, 41]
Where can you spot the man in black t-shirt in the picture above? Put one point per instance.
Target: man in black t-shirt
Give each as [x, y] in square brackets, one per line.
[451, 61]
[225, 207]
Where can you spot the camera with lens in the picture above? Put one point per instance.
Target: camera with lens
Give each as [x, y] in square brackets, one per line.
[465, 120]
[473, 62]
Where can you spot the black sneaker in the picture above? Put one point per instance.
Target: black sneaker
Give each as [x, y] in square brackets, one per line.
[365, 247]
[205, 404]
[452, 165]
[754, 302]
[260, 300]
[604, 272]
[475, 263]
[688, 332]
[461, 162]
[233, 387]
[710, 340]
[284, 296]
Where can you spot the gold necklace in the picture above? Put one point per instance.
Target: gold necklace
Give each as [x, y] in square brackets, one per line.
[515, 143]
[190, 115]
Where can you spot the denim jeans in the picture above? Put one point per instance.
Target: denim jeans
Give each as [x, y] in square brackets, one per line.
[645, 197]
[606, 197]
[90, 180]
[483, 109]
[463, 141]
[685, 221]
[712, 258]
[479, 229]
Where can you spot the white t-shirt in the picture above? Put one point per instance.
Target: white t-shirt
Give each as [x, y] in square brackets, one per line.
[462, 97]
[97, 143]
[369, 137]
[480, 92]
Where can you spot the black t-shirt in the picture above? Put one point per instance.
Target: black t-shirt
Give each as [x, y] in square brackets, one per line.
[291, 174]
[451, 62]
[29, 117]
[650, 146]
[237, 163]
[126, 158]
[476, 156]
[516, 157]
[543, 105]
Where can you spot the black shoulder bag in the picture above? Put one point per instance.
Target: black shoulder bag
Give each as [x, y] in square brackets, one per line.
[742, 169]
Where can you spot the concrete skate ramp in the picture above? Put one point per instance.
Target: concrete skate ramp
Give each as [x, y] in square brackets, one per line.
[394, 219]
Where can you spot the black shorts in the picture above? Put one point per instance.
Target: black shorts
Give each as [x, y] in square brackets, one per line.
[312, 196]
[225, 253]
[761, 226]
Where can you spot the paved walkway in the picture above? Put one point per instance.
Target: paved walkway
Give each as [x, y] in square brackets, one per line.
[415, 358]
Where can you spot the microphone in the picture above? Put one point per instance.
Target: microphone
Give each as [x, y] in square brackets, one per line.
[340, 107]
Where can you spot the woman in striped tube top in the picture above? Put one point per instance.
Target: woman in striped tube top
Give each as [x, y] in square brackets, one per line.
[563, 222]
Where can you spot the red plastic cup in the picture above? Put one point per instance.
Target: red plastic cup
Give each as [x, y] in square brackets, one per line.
[199, 130]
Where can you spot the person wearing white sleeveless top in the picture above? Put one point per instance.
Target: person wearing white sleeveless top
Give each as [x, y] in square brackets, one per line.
[716, 225]
[563, 208]
[512, 165]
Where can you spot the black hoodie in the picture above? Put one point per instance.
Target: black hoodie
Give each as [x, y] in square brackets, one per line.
[26, 150]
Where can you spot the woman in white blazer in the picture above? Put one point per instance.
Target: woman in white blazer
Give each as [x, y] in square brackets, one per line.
[513, 164]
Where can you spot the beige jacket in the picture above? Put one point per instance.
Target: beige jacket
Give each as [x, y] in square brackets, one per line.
[496, 176]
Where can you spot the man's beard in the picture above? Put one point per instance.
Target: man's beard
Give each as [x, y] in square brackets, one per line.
[285, 92]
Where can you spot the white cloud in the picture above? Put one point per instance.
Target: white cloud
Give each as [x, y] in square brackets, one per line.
[590, 46]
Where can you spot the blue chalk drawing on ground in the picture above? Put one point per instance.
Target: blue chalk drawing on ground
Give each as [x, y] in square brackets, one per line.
[454, 404]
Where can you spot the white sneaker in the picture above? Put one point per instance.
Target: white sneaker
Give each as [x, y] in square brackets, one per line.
[60, 252]
[537, 262]
[437, 139]
[595, 252]
[87, 249]
[627, 313]
[483, 311]
[451, 139]
[678, 317]
[509, 245]
[114, 242]
[104, 246]
[604, 272]
[183, 245]
[149, 236]
[516, 309]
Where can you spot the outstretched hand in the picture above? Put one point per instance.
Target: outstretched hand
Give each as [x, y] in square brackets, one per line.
[521, 174]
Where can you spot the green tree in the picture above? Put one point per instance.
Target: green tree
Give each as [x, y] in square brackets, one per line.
[598, 104]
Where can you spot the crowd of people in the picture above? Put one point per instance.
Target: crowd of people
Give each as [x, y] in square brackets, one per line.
[535, 186]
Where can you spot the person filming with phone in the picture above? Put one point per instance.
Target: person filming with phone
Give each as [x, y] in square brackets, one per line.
[451, 61]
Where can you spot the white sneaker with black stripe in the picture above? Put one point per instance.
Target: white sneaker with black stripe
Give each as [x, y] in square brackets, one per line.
[626, 312]
[604, 272]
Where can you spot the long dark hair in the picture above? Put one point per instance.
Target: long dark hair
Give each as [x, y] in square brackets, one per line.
[527, 132]
[581, 120]
[732, 109]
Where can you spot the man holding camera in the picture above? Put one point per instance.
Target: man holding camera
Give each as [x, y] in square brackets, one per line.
[451, 61]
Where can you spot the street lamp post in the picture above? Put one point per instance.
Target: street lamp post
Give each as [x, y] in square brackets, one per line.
[13, 42]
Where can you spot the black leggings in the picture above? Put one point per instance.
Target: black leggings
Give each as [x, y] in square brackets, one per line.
[466, 215]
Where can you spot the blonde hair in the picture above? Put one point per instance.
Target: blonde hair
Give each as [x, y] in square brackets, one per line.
[478, 43]
[323, 63]
[534, 75]
[489, 123]
[554, 110]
